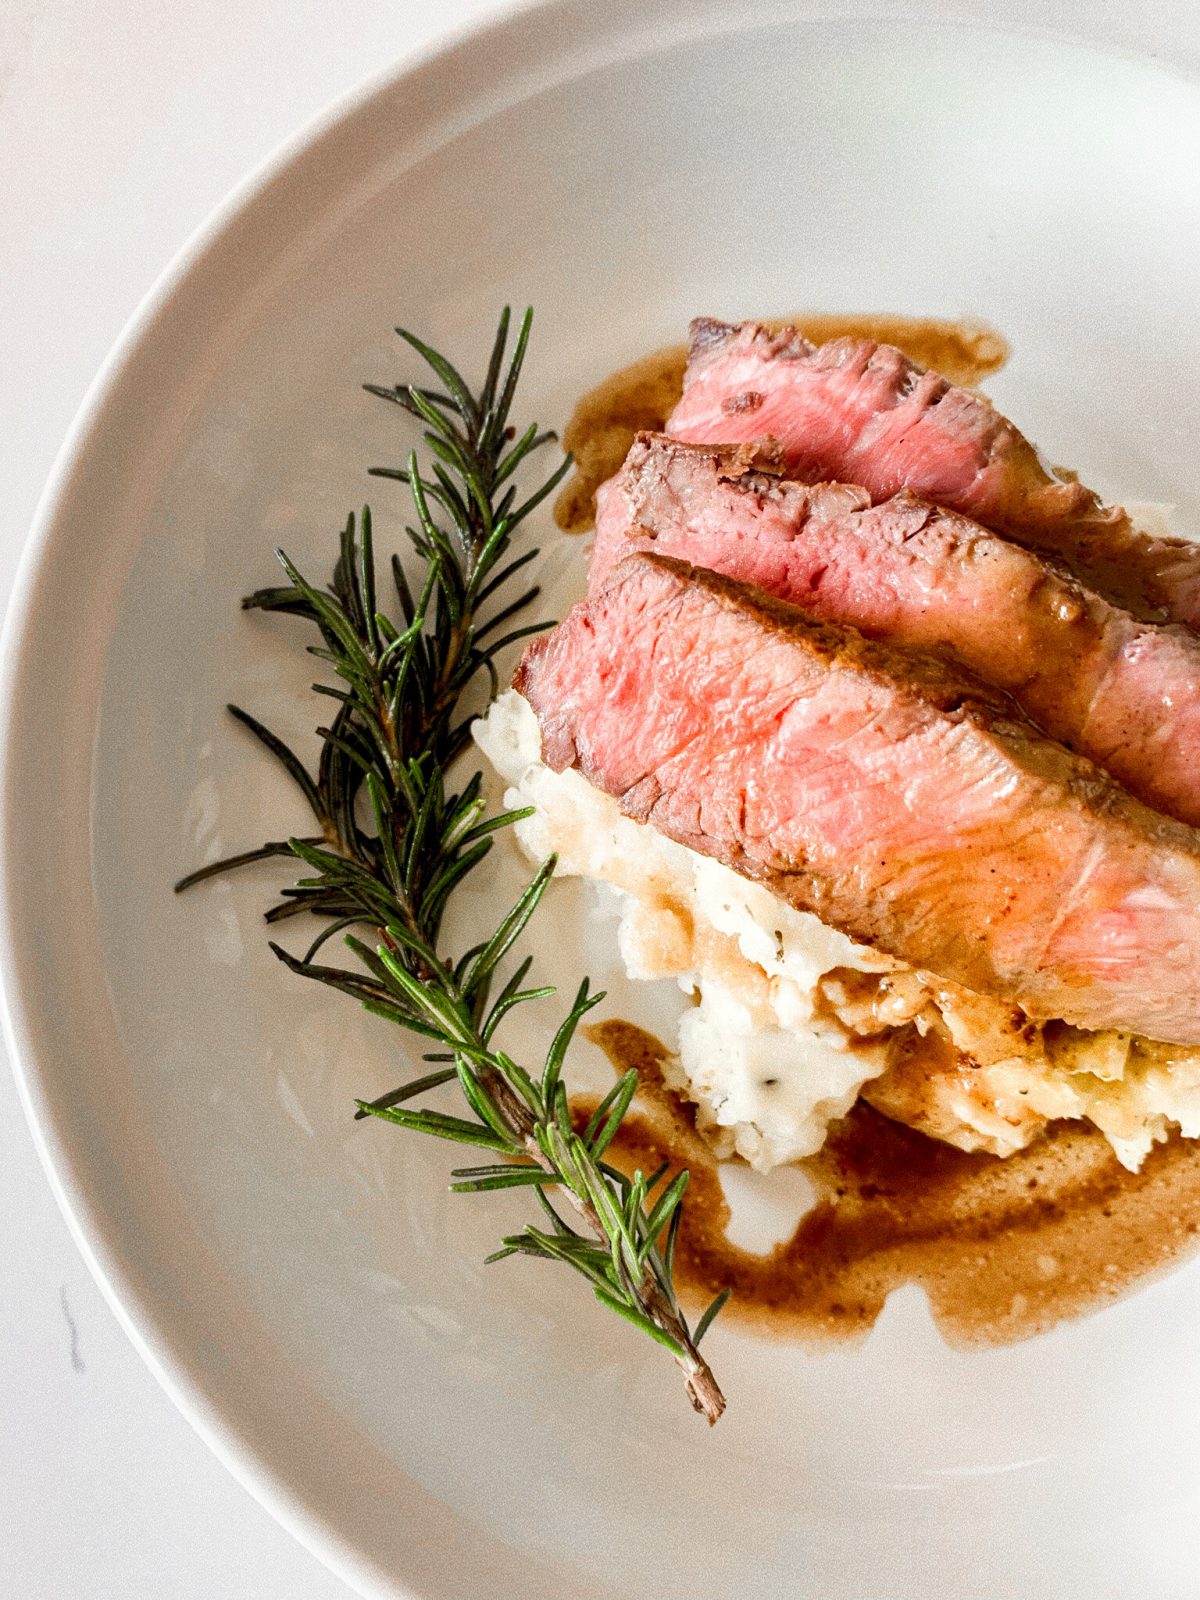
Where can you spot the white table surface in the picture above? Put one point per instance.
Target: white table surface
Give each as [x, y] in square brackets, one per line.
[122, 123]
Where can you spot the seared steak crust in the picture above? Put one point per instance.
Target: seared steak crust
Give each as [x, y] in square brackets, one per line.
[893, 795]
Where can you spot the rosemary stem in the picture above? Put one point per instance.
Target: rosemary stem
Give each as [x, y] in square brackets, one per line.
[702, 1388]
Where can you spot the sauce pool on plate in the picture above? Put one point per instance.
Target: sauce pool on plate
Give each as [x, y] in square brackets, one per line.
[1003, 1247]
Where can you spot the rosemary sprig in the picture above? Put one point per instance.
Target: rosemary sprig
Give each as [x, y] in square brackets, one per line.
[393, 841]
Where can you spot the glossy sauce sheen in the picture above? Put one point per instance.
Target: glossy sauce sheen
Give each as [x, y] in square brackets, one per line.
[643, 395]
[1003, 1248]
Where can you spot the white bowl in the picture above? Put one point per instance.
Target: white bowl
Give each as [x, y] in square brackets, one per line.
[302, 1284]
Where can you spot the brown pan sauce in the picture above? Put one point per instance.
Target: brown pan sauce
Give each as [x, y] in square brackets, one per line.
[1003, 1248]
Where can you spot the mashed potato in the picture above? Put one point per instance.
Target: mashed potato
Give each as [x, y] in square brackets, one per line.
[766, 1072]
[792, 1021]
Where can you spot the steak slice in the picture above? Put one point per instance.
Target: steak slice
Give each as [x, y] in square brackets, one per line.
[892, 795]
[1122, 692]
[862, 412]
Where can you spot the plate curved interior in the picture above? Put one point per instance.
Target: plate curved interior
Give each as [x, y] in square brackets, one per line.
[303, 1284]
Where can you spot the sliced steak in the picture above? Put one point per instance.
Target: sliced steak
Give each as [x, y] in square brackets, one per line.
[890, 794]
[1122, 692]
[863, 412]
